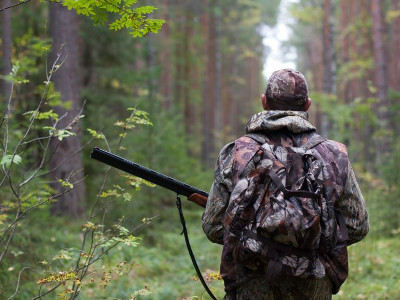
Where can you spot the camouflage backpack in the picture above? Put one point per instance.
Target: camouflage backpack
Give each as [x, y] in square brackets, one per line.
[277, 213]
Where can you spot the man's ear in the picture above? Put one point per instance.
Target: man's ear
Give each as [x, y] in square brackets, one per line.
[264, 102]
[307, 104]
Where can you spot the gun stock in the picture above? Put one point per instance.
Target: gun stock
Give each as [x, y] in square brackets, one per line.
[194, 194]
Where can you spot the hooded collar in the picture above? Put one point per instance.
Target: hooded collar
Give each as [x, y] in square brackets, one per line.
[273, 120]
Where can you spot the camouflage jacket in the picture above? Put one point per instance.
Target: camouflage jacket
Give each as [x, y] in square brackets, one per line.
[287, 128]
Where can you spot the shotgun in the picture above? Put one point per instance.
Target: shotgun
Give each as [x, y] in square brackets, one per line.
[192, 193]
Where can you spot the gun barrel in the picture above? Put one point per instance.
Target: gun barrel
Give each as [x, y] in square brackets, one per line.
[133, 168]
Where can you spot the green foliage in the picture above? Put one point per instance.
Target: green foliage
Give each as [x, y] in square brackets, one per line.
[342, 115]
[124, 12]
[380, 186]
[43, 115]
[356, 68]
[161, 267]
[373, 269]
[67, 269]
[270, 12]
[110, 262]
[13, 76]
[30, 49]
[95, 134]
[23, 191]
[307, 12]
[137, 117]
[164, 265]
[391, 15]
[7, 160]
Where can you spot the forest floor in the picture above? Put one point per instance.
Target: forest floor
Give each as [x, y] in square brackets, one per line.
[160, 266]
[166, 270]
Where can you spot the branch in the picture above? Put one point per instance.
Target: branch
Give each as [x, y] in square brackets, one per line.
[19, 279]
[22, 214]
[95, 259]
[8, 242]
[44, 95]
[11, 6]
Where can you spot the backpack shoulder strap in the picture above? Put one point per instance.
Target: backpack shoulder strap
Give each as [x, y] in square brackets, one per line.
[245, 148]
[313, 141]
[263, 140]
[258, 137]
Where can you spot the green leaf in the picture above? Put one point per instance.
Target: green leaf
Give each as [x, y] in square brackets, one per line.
[124, 13]
[47, 115]
[65, 184]
[95, 134]
[63, 254]
[127, 196]
[7, 160]
[142, 292]
[62, 133]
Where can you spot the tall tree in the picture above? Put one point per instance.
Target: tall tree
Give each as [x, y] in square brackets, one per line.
[378, 31]
[166, 71]
[344, 13]
[6, 37]
[66, 161]
[395, 59]
[329, 61]
[208, 25]
[365, 53]
[395, 47]
[381, 77]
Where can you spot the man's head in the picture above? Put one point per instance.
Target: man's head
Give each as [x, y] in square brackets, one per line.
[286, 90]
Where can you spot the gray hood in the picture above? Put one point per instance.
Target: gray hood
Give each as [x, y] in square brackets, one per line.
[272, 120]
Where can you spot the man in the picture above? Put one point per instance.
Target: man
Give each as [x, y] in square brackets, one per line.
[284, 122]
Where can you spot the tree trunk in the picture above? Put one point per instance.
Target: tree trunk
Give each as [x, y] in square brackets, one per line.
[189, 117]
[344, 5]
[395, 49]
[395, 62]
[6, 37]
[366, 46]
[353, 47]
[178, 53]
[218, 117]
[329, 66]
[380, 75]
[165, 59]
[379, 55]
[208, 26]
[355, 78]
[66, 160]
[316, 60]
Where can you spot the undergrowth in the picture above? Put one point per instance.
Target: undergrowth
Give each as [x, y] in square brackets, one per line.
[160, 266]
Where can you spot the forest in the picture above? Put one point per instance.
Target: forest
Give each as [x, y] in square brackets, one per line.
[166, 84]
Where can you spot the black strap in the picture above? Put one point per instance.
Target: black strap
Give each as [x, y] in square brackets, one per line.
[273, 270]
[185, 233]
[298, 193]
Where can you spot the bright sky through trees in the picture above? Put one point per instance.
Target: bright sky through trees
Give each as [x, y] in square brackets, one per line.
[274, 37]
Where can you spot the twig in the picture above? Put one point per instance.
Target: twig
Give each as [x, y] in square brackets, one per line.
[104, 252]
[32, 119]
[21, 215]
[8, 242]
[11, 6]
[19, 279]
